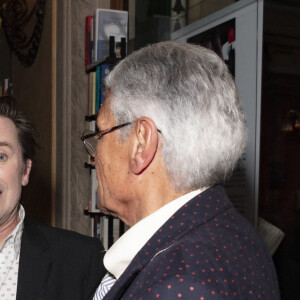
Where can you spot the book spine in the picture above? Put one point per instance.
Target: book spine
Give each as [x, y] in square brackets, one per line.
[91, 47]
[116, 229]
[104, 231]
[94, 92]
[110, 231]
[90, 94]
[98, 86]
[87, 41]
[123, 47]
[95, 35]
[6, 87]
[94, 196]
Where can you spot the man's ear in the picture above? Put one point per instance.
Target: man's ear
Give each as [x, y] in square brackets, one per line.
[26, 172]
[144, 146]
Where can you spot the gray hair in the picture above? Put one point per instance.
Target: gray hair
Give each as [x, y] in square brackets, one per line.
[189, 93]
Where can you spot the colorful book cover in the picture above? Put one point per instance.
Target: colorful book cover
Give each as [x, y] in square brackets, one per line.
[108, 22]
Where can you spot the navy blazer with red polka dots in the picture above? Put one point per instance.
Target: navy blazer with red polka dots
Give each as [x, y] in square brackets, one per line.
[206, 250]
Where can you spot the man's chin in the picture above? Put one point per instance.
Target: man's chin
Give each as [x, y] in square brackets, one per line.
[106, 211]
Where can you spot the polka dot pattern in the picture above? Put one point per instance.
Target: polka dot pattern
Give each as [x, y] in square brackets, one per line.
[206, 250]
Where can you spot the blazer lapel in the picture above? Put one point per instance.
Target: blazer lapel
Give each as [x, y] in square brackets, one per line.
[35, 264]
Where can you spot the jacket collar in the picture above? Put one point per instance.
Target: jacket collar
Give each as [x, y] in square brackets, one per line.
[35, 263]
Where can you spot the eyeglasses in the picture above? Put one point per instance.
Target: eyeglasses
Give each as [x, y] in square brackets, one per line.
[91, 138]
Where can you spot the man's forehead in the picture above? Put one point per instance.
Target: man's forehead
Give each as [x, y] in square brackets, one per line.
[7, 127]
[8, 133]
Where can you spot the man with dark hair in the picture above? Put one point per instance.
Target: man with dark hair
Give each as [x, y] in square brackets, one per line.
[170, 131]
[37, 262]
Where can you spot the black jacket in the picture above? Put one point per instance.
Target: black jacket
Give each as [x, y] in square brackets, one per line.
[58, 264]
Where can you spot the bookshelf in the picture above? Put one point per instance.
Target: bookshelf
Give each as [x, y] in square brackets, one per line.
[107, 228]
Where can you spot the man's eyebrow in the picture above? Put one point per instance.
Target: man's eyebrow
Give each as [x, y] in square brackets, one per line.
[5, 144]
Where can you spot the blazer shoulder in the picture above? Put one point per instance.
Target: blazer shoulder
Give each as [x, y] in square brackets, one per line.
[57, 236]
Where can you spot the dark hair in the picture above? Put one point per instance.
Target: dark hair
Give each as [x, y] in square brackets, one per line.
[26, 130]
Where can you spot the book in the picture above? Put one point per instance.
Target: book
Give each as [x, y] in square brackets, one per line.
[93, 92]
[108, 22]
[94, 194]
[90, 93]
[110, 231]
[89, 38]
[98, 88]
[7, 87]
[109, 27]
[116, 229]
[104, 232]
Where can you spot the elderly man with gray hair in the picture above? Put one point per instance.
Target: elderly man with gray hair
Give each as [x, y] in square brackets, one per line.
[170, 131]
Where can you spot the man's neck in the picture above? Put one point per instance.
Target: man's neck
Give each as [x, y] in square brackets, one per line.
[144, 204]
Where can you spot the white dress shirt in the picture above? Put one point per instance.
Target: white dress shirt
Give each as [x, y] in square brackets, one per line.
[9, 260]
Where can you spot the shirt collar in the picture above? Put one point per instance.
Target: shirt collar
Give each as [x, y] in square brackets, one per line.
[121, 253]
